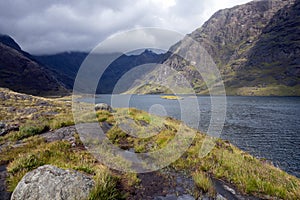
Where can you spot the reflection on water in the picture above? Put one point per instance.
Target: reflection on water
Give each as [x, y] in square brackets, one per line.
[266, 127]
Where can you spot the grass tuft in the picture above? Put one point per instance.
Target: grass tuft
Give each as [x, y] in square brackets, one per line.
[203, 182]
[105, 186]
[28, 131]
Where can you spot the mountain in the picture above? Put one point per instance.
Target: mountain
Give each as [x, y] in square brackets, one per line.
[255, 46]
[8, 41]
[64, 67]
[21, 73]
[278, 48]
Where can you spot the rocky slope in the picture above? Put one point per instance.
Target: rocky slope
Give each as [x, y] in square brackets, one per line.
[277, 51]
[255, 46]
[19, 72]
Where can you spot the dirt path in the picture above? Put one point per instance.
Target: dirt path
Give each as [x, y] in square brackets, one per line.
[163, 184]
[168, 184]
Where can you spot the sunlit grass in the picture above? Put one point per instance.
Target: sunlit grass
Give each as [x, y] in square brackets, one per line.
[105, 186]
[203, 182]
[247, 173]
[225, 161]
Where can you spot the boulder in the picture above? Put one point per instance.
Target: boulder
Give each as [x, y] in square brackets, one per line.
[62, 134]
[103, 106]
[49, 182]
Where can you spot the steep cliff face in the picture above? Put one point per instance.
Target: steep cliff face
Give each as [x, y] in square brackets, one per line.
[22, 74]
[241, 41]
[277, 51]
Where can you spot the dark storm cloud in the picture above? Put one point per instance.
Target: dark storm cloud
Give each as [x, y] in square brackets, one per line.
[49, 26]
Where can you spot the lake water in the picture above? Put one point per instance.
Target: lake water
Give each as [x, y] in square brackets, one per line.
[267, 127]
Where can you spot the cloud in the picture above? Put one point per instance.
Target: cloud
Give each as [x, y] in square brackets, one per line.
[52, 26]
[144, 38]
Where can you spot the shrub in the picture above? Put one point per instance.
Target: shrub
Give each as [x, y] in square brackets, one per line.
[28, 131]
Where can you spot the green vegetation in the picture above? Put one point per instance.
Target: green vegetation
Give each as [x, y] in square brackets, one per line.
[56, 153]
[61, 154]
[270, 90]
[225, 161]
[36, 115]
[28, 131]
[149, 89]
[247, 173]
[105, 186]
[203, 182]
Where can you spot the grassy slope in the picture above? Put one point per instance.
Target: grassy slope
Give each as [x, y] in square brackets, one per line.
[225, 161]
[36, 115]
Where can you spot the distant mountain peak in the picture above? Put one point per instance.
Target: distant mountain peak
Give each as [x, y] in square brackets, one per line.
[148, 51]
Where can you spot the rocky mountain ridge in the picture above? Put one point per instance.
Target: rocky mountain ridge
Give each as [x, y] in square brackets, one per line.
[19, 72]
[255, 46]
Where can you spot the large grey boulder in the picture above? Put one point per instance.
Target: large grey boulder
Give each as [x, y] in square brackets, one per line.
[103, 106]
[49, 182]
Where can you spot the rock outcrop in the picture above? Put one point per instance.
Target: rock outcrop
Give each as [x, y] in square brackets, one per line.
[103, 106]
[6, 128]
[62, 134]
[49, 182]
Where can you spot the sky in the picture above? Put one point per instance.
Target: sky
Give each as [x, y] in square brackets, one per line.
[53, 26]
